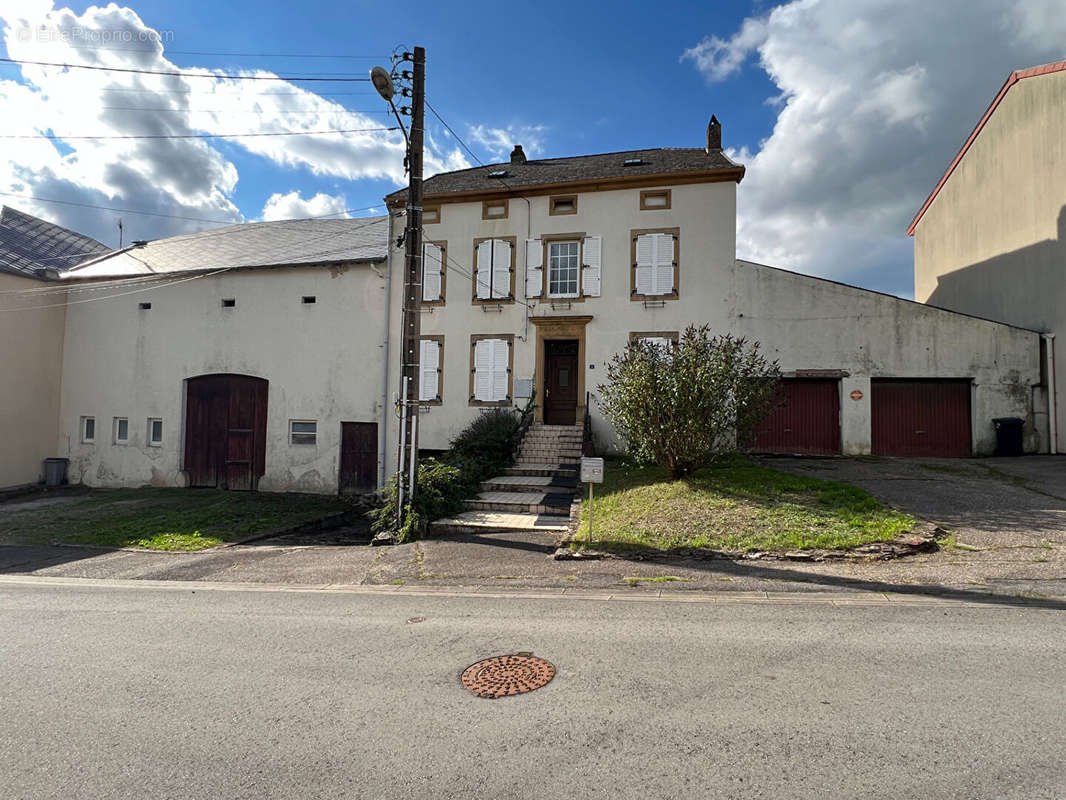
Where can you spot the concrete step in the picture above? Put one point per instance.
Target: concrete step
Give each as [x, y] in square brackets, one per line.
[484, 521]
[542, 469]
[529, 483]
[523, 502]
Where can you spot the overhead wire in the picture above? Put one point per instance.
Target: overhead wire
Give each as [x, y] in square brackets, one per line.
[63, 137]
[120, 294]
[185, 74]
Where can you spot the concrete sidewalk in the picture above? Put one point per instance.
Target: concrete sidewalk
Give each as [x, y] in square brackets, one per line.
[1001, 507]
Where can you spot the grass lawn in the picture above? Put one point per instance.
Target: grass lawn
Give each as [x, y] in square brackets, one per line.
[158, 519]
[739, 506]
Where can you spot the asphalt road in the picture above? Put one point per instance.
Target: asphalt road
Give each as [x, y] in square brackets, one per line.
[193, 692]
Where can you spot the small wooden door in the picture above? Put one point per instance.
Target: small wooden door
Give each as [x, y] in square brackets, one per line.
[225, 431]
[560, 382]
[359, 457]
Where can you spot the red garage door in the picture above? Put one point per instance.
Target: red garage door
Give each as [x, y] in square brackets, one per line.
[921, 418]
[806, 419]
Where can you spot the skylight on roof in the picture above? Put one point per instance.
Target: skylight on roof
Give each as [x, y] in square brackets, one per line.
[633, 162]
[498, 173]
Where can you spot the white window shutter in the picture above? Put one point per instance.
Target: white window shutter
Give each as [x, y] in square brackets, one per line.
[534, 268]
[483, 359]
[664, 263]
[645, 264]
[501, 268]
[591, 279]
[483, 270]
[429, 370]
[501, 358]
[432, 271]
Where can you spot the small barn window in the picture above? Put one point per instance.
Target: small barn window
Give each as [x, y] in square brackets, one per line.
[308, 299]
[121, 430]
[88, 430]
[430, 215]
[303, 431]
[155, 432]
[146, 306]
[229, 302]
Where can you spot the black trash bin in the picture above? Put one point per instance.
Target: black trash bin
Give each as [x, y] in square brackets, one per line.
[55, 471]
[1008, 435]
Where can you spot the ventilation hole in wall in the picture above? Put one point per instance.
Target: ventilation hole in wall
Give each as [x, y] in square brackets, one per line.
[229, 302]
[145, 306]
[309, 298]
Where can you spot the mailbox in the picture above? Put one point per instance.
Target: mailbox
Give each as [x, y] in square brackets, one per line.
[592, 470]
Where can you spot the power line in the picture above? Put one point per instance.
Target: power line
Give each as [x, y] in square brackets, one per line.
[59, 137]
[241, 93]
[240, 111]
[455, 266]
[119, 210]
[179, 74]
[120, 294]
[458, 138]
[86, 45]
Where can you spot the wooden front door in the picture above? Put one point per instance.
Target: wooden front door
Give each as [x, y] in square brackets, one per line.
[359, 457]
[560, 382]
[225, 431]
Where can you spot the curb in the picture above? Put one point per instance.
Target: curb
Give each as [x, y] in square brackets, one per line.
[688, 597]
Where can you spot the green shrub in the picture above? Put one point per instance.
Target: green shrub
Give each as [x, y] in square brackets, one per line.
[480, 451]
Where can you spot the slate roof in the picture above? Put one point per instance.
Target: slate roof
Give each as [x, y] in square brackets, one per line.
[285, 243]
[29, 244]
[577, 169]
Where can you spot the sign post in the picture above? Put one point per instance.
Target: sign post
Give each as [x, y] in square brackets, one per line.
[591, 472]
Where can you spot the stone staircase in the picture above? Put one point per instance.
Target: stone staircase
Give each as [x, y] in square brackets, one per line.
[532, 496]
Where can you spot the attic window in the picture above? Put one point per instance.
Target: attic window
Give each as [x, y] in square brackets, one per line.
[308, 299]
[146, 306]
[494, 209]
[229, 302]
[632, 162]
[498, 173]
[565, 204]
[430, 214]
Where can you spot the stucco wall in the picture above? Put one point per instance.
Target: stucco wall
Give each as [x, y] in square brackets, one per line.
[31, 355]
[811, 324]
[323, 362]
[706, 217]
[993, 242]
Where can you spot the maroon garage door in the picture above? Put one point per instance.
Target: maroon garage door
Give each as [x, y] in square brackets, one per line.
[806, 419]
[921, 418]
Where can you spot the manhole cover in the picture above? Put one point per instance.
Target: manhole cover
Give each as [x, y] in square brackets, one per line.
[503, 676]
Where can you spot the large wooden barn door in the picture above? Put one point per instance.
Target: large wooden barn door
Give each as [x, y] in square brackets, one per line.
[359, 457]
[225, 431]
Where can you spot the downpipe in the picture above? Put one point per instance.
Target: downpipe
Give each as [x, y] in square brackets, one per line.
[1052, 395]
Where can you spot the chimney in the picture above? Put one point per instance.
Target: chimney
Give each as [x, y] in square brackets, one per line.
[714, 134]
[518, 155]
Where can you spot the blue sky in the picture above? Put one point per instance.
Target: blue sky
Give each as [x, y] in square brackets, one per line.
[844, 111]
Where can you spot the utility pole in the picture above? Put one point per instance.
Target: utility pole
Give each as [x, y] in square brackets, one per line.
[412, 316]
[410, 353]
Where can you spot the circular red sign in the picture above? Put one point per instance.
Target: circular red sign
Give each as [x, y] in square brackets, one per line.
[856, 395]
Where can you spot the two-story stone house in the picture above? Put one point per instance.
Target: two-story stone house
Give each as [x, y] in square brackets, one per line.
[536, 272]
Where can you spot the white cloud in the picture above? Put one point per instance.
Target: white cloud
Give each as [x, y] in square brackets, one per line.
[183, 177]
[292, 206]
[875, 97]
[500, 141]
